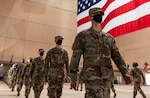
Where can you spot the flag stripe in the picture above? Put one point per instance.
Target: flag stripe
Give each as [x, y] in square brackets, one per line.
[131, 26]
[114, 5]
[145, 65]
[128, 17]
[126, 8]
[82, 27]
[107, 4]
[83, 20]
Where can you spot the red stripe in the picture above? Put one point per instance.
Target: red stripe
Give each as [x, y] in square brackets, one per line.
[145, 65]
[123, 9]
[107, 4]
[141, 23]
[83, 20]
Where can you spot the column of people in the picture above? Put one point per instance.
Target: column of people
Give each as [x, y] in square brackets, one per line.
[97, 48]
[39, 70]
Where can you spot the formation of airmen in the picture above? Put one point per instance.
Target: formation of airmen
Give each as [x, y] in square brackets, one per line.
[39, 70]
[97, 48]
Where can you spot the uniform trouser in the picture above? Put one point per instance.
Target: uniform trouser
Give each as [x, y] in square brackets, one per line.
[27, 88]
[112, 88]
[97, 89]
[38, 87]
[55, 85]
[79, 83]
[12, 83]
[19, 85]
[138, 88]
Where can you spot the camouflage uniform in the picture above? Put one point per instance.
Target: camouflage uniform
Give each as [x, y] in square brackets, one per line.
[113, 89]
[26, 78]
[97, 48]
[136, 73]
[79, 81]
[20, 77]
[37, 75]
[55, 60]
[12, 76]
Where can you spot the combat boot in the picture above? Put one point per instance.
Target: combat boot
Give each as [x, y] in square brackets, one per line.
[12, 89]
[18, 94]
[115, 95]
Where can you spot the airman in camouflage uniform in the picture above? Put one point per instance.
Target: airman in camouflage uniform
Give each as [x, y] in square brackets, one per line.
[12, 76]
[20, 77]
[37, 74]
[26, 77]
[56, 59]
[136, 73]
[97, 48]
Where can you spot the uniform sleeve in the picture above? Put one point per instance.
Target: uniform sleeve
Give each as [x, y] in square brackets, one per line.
[23, 71]
[47, 62]
[75, 59]
[10, 72]
[117, 58]
[66, 61]
[32, 68]
[142, 75]
[131, 73]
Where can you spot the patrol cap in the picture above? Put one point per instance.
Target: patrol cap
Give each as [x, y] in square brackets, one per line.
[135, 64]
[58, 38]
[22, 60]
[30, 59]
[95, 10]
[15, 65]
[41, 50]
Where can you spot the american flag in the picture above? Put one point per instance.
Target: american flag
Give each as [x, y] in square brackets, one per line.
[145, 65]
[121, 16]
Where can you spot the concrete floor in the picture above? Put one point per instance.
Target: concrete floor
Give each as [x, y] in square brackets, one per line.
[123, 91]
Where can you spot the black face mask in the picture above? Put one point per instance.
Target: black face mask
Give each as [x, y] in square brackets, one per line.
[59, 42]
[98, 18]
[42, 53]
[30, 61]
[22, 61]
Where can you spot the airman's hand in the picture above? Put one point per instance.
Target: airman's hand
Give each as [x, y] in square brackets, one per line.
[143, 82]
[67, 77]
[30, 80]
[73, 85]
[128, 79]
[45, 81]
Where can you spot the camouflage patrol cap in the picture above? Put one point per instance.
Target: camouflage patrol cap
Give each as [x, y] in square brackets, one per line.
[22, 60]
[95, 10]
[135, 64]
[41, 50]
[58, 38]
[30, 59]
